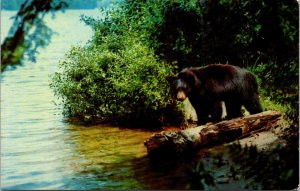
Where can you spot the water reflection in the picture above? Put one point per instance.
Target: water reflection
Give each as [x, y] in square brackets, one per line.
[103, 155]
[114, 158]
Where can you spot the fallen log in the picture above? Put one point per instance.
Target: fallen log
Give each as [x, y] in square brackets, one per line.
[175, 143]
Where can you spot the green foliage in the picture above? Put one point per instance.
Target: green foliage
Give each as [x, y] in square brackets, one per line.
[279, 86]
[268, 104]
[120, 80]
[240, 33]
[117, 77]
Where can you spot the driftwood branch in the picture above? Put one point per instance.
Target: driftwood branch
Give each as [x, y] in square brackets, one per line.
[172, 143]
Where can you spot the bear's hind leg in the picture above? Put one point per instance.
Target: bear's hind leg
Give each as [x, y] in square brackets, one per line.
[233, 109]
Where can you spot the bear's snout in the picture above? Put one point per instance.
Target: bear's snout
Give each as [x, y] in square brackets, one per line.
[181, 96]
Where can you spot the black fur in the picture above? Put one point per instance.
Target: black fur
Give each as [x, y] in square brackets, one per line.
[206, 88]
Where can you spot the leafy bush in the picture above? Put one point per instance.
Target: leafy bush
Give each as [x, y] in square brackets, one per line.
[126, 85]
[279, 82]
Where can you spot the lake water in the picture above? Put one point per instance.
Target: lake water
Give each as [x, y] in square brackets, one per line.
[40, 150]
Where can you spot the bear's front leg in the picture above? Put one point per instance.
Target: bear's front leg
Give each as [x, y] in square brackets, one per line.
[201, 106]
[202, 116]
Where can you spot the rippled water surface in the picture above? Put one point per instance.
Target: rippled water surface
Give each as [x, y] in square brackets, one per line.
[39, 150]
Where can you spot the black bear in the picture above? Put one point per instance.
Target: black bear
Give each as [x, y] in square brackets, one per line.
[206, 87]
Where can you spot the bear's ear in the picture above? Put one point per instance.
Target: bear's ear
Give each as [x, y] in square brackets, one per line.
[170, 79]
[192, 78]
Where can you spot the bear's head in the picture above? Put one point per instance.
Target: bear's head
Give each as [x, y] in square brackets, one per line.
[183, 83]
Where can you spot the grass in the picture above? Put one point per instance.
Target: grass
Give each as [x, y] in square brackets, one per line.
[268, 104]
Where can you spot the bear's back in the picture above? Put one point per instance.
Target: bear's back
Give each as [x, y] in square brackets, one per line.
[221, 79]
[217, 72]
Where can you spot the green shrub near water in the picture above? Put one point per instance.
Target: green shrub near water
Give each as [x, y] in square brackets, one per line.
[120, 82]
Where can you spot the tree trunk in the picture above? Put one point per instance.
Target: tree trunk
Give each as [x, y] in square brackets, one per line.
[175, 143]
